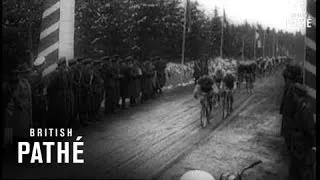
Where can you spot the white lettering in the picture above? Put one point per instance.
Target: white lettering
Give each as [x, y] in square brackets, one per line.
[61, 132]
[48, 145]
[309, 21]
[76, 151]
[36, 153]
[69, 132]
[31, 132]
[64, 152]
[39, 132]
[21, 151]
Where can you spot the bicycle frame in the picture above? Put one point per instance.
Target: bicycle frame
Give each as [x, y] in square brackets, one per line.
[239, 175]
[206, 108]
[226, 102]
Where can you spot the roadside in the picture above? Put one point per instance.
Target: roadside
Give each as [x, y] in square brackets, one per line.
[253, 135]
[138, 142]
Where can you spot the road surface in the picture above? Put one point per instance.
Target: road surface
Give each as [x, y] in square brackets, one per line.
[143, 141]
[253, 135]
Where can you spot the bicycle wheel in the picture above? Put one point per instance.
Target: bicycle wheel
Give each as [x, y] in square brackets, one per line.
[228, 104]
[223, 104]
[209, 109]
[203, 116]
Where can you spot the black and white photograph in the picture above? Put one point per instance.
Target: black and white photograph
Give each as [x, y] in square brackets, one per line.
[159, 89]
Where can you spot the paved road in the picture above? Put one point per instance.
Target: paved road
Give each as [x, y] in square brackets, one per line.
[136, 143]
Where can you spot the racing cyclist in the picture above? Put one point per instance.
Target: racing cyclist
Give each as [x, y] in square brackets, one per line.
[228, 86]
[204, 89]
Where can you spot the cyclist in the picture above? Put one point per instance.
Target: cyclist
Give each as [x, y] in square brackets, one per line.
[228, 86]
[217, 81]
[249, 77]
[204, 88]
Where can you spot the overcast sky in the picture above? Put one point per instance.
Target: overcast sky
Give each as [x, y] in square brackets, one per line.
[288, 15]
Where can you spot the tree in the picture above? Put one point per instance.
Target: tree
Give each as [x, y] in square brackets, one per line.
[143, 28]
[20, 26]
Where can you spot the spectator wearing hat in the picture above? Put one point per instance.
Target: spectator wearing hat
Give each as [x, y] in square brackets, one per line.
[146, 82]
[39, 100]
[131, 78]
[106, 58]
[302, 137]
[62, 62]
[38, 88]
[96, 90]
[111, 76]
[109, 86]
[124, 81]
[39, 63]
[136, 81]
[288, 82]
[160, 66]
[291, 75]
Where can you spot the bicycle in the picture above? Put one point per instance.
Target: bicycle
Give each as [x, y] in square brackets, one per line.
[226, 103]
[201, 175]
[249, 82]
[206, 108]
[239, 175]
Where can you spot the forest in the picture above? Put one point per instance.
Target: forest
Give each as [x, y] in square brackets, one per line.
[143, 29]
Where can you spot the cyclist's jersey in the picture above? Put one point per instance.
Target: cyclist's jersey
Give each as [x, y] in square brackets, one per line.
[197, 92]
[205, 83]
[215, 88]
[249, 77]
[229, 81]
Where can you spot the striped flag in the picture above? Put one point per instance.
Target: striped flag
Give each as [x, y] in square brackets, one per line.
[258, 38]
[259, 43]
[57, 33]
[310, 56]
[223, 19]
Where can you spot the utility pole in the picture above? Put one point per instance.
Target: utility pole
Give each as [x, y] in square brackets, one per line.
[221, 44]
[184, 32]
[254, 46]
[273, 45]
[243, 48]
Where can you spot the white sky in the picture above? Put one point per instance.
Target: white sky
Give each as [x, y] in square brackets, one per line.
[288, 15]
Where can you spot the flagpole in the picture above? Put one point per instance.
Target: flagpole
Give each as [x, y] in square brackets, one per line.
[254, 46]
[184, 32]
[264, 40]
[221, 44]
[273, 44]
[243, 48]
